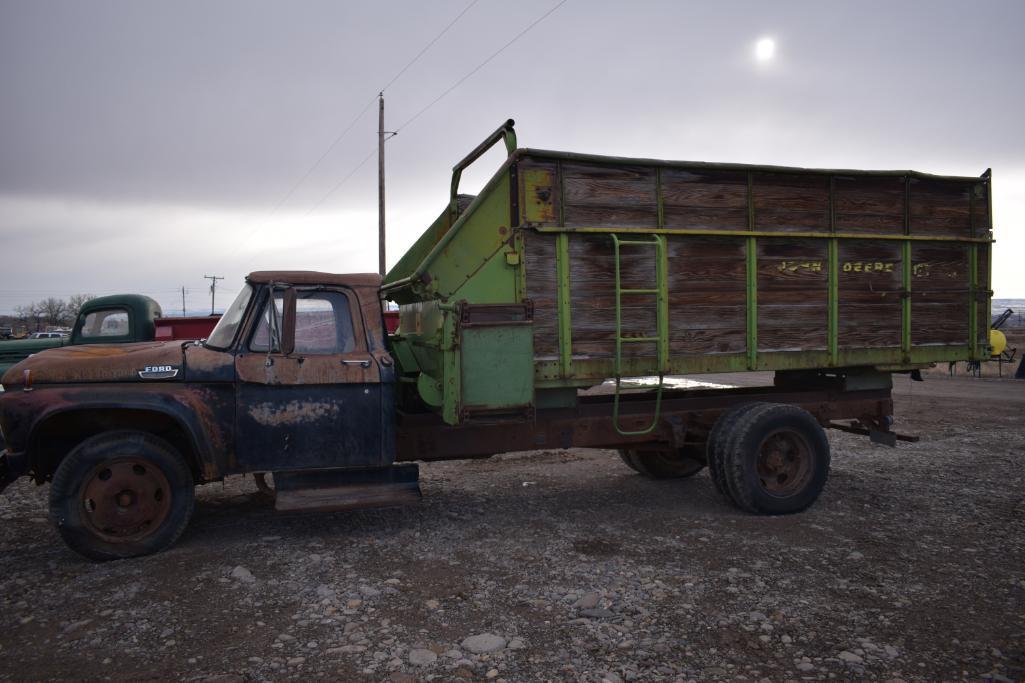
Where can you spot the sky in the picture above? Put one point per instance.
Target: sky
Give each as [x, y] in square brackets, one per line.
[144, 145]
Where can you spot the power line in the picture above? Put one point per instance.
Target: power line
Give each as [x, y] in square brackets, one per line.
[481, 65]
[344, 180]
[345, 131]
[320, 160]
[442, 95]
[430, 44]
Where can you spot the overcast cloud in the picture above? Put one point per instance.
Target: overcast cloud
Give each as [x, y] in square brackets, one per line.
[144, 144]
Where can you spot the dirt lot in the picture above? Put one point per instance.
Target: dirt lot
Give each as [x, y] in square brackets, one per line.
[569, 567]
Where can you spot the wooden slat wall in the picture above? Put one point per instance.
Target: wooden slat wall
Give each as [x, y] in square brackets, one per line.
[870, 279]
[790, 203]
[984, 312]
[705, 200]
[940, 208]
[707, 284]
[609, 195]
[939, 294]
[869, 205]
[542, 289]
[792, 294]
[626, 197]
[707, 294]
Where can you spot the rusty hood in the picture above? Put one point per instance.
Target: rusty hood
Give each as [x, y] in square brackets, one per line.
[141, 362]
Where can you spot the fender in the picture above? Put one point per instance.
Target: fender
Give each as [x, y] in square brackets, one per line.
[204, 413]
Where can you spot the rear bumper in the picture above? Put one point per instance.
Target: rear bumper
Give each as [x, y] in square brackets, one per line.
[12, 466]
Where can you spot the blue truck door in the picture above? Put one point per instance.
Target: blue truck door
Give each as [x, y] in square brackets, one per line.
[318, 406]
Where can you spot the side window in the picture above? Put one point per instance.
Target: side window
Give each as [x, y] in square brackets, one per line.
[262, 334]
[112, 322]
[323, 323]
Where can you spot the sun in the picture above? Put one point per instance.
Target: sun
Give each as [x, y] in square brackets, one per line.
[765, 49]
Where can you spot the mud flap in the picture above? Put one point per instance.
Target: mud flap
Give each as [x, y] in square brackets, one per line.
[347, 488]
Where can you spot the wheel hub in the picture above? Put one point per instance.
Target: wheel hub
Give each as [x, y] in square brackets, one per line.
[125, 499]
[784, 463]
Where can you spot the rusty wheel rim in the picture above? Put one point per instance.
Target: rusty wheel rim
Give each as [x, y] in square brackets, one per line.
[784, 463]
[125, 500]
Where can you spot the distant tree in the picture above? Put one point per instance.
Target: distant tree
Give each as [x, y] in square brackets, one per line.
[31, 314]
[53, 310]
[26, 314]
[74, 305]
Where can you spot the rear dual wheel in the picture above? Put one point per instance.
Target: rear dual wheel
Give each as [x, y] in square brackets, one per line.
[121, 494]
[769, 458]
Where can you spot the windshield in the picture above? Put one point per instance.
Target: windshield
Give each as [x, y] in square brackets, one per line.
[224, 332]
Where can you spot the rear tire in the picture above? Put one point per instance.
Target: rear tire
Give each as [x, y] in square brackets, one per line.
[121, 494]
[664, 464]
[718, 444]
[777, 460]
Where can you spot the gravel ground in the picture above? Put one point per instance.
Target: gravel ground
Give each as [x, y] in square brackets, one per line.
[565, 565]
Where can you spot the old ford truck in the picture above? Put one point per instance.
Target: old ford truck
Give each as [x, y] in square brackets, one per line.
[565, 273]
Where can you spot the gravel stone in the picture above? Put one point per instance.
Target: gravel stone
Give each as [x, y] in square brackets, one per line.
[483, 642]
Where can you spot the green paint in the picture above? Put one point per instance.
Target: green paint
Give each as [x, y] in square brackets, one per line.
[751, 255]
[973, 301]
[905, 302]
[565, 317]
[833, 284]
[497, 366]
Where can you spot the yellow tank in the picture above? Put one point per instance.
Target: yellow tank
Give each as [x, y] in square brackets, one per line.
[998, 341]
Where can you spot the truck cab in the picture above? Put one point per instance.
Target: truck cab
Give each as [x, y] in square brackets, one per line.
[295, 378]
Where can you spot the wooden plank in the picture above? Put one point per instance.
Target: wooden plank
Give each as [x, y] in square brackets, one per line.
[542, 289]
[940, 207]
[789, 203]
[704, 200]
[614, 196]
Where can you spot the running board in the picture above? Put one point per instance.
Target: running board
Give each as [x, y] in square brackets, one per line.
[347, 488]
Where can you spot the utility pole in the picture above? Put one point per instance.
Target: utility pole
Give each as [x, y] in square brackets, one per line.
[213, 289]
[183, 301]
[380, 182]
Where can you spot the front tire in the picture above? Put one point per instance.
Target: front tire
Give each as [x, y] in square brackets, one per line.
[121, 494]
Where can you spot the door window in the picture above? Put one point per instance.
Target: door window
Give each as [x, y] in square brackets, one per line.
[323, 323]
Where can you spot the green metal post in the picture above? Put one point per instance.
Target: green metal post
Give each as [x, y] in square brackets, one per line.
[658, 197]
[905, 250]
[833, 284]
[565, 320]
[905, 335]
[662, 315]
[973, 302]
[752, 303]
[752, 280]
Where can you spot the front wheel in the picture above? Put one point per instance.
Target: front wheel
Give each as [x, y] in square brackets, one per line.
[121, 494]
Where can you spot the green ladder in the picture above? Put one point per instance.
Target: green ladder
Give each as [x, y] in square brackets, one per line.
[661, 337]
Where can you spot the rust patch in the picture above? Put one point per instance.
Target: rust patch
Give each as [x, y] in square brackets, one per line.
[293, 412]
[96, 363]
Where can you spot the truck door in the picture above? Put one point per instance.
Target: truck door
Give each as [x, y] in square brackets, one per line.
[318, 405]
